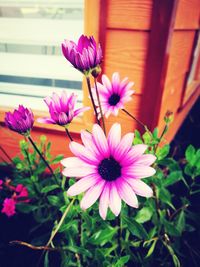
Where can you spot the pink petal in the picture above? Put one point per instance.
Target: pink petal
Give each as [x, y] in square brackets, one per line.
[82, 185]
[147, 159]
[127, 193]
[135, 152]
[100, 140]
[73, 162]
[46, 120]
[140, 188]
[80, 110]
[114, 137]
[115, 200]
[89, 143]
[92, 195]
[106, 82]
[104, 201]
[83, 153]
[78, 172]
[138, 171]
[124, 146]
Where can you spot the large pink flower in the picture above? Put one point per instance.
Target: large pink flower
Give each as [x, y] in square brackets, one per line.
[108, 168]
[113, 94]
[61, 109]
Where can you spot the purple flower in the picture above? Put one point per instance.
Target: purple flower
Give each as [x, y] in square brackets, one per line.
[21, 120]
[61, 109]
[109, 168]
[113, 94]
[84, 56]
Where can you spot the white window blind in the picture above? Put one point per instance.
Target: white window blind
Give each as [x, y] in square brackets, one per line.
[31, 62]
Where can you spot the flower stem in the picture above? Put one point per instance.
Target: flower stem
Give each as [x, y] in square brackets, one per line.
[138, 121]
[54, 232]
[6, 154]
[68, 134]
[92, 99]
[41, 156]
[99, 103]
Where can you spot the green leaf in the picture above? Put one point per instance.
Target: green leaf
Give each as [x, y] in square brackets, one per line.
[190, 154]
[102, 236]
[57, 159]
[172, 178]
[123, 260]
[144, 215]
[26, 207]
[54, 200]
[49, 188]
[162, 152]
[151, 249]
[171, 229]
[46, 259]
[135, 228]
[180, 224]
[147, 137]
[165, 196]
[79, 250]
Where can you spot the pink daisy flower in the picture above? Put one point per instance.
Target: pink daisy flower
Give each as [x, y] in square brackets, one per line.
[9, 207]
[113, 94]
[108, 168]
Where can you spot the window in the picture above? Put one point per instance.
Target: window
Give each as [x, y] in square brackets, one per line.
[32, 67]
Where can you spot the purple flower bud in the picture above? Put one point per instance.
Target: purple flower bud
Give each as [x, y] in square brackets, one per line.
[61, 109]
[84, 56]
[21, 120]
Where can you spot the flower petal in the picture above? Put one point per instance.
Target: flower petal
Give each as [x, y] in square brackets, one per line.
[100, 140]
[138, 171]
[127, 193]
[92, 195]
[124, 146]
[135, 152]
[78, 172]
[114, 137]
[115, 200]
[104, 201]
[83, 153]
[140, 188]
[147, 159]
[82, 185]
[89, 143]
[71, 162]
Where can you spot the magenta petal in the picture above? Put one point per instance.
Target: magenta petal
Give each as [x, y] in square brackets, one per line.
[114, 137]
[115, 200]
[146, 160]
[92, 195]
[135, 152]
[82, 185]
[138, 171]
[80, 110]
[100, 140]
[104, 201]
[89, 143]
[78, 172]
[124, 146]
[73, 162]
[127, 193]
[140, 188]
[46, 120]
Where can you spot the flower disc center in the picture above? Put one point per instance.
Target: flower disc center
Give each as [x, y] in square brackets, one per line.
[109, 169]
[113, 99]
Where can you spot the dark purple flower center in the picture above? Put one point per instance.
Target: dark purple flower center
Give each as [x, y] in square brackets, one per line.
[113, 99]
[109, 169]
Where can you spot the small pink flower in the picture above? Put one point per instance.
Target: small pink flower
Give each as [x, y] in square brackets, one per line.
[22, 193]
[113, 94]
[109, 168]
[1, 184]
[21, 120]
[84, 56]
[9, 207]
[61, 109]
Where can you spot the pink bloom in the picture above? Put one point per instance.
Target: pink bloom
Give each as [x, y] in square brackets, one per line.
[61, 109]
[22, 193]
[84, 56]
[9, 207]
[1, 184]
[21, 120]
[113, 94]
[110, 169]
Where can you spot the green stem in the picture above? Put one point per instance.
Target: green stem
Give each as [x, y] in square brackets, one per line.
[92, 99]
[161, 136]
[54, 232]
[99, 103]
[68, 134]
[138, 121]
[41, 156]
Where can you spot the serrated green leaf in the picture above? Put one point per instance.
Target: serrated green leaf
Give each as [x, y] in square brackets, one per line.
[135, 228]
[162, 152]
[165, 197]
[144, 215]
[123, 260]
[190, 154]
[49, 188]
[172, 178]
